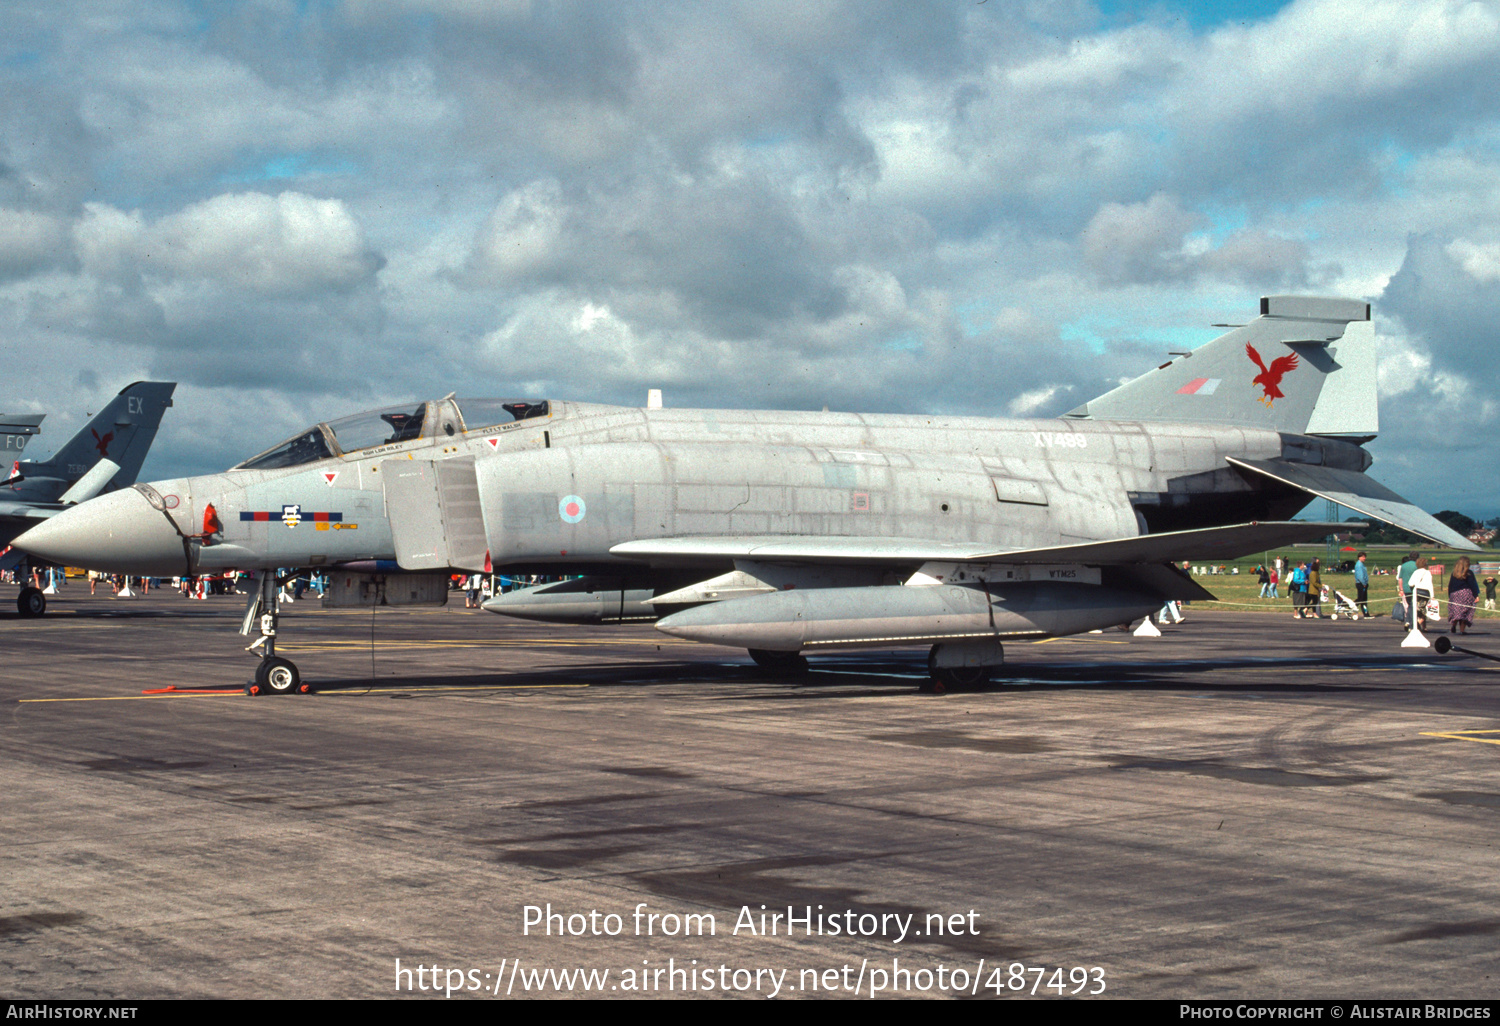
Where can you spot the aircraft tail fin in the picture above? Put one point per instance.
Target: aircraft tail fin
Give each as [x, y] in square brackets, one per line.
[121, 432]
[16, 429]
[1305, 366]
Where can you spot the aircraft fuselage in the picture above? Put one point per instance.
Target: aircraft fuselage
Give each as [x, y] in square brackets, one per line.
[560, 491]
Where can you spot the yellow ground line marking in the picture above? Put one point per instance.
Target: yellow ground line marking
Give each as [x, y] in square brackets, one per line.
[1463, 735]
[346, 691]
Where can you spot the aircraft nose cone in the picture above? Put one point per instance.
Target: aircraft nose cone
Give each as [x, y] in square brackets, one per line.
[117, 533]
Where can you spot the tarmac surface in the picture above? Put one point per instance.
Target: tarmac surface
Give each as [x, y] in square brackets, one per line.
[1248, 807]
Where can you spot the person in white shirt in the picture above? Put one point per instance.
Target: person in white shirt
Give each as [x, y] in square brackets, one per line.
[1421, 592]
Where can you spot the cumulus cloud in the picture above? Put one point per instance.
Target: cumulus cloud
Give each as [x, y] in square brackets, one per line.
[1480, 261]
[286, 244]
[241, 288]
[523, 238]
[108, 241]
[29, 241]
[1444, 294]
[1149, 243]
[1439, 368]
[730, 251]
[1138, 242]
[1028, 403]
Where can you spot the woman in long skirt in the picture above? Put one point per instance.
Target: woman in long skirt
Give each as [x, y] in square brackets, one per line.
[1463, 592]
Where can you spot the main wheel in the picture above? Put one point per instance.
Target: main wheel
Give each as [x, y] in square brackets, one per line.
[790, 664]
[31, 602]
[957, 677]
[278, 676]
[950, 678]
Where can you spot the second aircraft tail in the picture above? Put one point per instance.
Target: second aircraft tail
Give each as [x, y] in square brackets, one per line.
[122, 432]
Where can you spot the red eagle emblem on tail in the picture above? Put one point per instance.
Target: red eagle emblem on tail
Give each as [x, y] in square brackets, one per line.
[102, 444]
[1269, 378]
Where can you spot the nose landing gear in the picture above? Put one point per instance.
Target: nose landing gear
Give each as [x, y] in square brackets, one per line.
[274, 675]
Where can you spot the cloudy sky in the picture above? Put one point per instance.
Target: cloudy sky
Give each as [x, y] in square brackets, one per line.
[302, 209]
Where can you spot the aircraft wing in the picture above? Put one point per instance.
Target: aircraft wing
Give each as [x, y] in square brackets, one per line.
[1204, 543]
[28, 511]
[1361, 494]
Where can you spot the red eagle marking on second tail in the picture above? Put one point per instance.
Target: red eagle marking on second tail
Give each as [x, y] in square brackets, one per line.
[102, 444]
[1269, 378]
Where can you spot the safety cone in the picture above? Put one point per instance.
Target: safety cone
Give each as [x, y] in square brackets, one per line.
[1147, 629]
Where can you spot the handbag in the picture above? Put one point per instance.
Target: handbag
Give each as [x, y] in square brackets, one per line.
[1398, 612]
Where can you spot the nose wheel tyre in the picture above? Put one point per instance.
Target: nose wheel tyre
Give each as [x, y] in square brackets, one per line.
[277, 676]
[31, 602]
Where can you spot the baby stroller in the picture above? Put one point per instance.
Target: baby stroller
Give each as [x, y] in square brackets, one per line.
[1344, 604]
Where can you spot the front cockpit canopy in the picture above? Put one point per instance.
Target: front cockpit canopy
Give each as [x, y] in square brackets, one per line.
[393, 424]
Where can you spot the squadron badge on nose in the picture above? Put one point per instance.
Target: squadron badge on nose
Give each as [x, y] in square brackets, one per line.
[291, 515]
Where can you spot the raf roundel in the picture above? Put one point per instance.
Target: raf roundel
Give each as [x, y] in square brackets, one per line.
[571, 509]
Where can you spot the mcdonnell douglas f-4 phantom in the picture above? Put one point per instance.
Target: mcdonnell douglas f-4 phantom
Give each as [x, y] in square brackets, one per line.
[786, 533]
[107, 454]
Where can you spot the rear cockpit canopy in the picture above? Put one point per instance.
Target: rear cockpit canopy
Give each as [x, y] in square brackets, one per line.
[392, 425]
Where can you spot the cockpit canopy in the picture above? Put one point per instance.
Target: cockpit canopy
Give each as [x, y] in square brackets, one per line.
[393, 424]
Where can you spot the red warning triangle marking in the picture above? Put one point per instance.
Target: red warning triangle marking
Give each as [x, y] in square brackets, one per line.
[330, 476]
[494, 442]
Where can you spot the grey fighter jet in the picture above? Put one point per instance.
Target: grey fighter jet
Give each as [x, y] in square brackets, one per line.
[106, 455]
[788, 533]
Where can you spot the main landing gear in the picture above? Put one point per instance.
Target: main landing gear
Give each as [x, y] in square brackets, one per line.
[782, 664]
[942, 679]
[31, 602]
[274, 675]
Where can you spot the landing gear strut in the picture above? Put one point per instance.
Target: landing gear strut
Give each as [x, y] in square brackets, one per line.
[274, 675]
